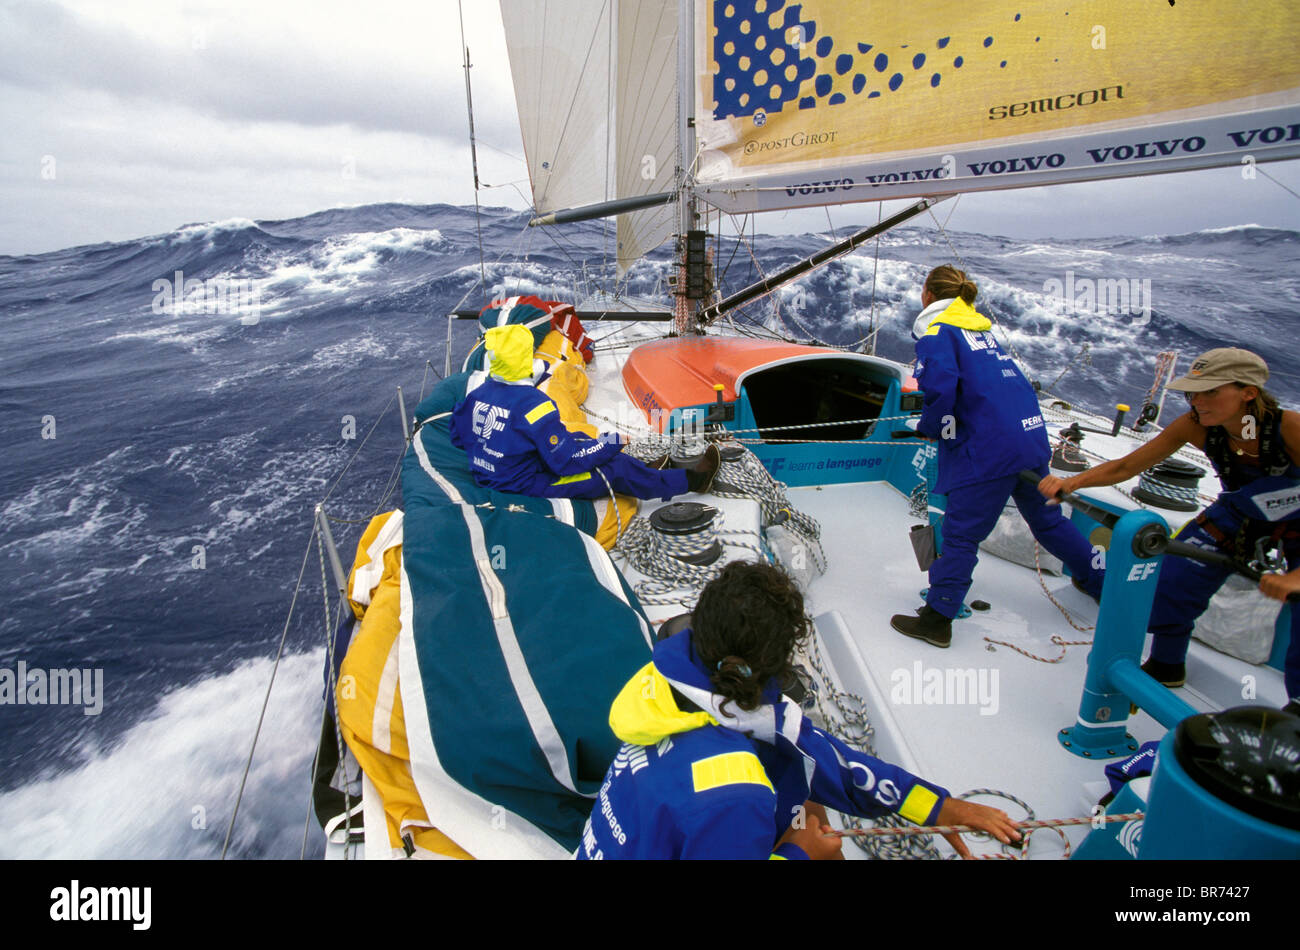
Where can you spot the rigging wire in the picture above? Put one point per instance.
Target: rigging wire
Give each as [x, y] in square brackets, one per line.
[992, 315]
[469, 103]
[740, 236]
[875, 270]
[1276, 182]
[383, 412]
[284, 635]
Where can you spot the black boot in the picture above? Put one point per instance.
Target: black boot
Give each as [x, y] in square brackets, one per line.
[1078, 585]
[1172, 675]
[931, 626]
[699, 477]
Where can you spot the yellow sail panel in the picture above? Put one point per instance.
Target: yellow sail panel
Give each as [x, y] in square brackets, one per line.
[827, 100]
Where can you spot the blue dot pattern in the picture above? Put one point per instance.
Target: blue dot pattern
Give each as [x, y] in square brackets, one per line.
[766, 65]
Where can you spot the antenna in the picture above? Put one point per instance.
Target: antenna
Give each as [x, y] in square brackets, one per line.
[473, 149]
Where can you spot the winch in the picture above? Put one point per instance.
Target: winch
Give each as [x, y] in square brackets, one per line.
[686, 532]
[1172, 485]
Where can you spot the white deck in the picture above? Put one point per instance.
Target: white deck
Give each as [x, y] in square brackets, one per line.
[1008, 740]
[1005, 739]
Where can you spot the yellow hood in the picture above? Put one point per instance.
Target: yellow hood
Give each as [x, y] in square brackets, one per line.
[645, 711]
[959, 314]
[511, 351]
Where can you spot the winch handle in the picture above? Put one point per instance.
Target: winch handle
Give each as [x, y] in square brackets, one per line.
[1095, 512]
[1183, 549]
[1179, 548]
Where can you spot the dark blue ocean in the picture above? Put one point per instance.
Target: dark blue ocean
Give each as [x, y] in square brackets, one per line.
[163, 457]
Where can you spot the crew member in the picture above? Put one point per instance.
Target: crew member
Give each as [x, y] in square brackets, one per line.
[717, 764]
[1254, 446]
[516, 442]
[989, 426]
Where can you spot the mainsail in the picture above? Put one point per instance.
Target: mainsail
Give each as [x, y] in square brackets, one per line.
[824, 102]
[833, 101]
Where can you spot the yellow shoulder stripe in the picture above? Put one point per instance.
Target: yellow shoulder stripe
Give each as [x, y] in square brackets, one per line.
[538, 411]
[933, 329]
[918, 804]
[730, 768]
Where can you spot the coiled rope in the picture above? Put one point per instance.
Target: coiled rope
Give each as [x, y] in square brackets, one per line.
[670, 580]
[1030, 826]
[750, 479]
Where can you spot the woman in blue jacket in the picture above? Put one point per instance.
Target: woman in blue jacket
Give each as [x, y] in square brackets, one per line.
[1254, 446]
[989, 426]
[715, 763]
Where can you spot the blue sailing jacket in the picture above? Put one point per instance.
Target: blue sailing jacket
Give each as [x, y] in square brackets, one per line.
[706, 783]
[516, 442]
[978, 404]
[1261, 495]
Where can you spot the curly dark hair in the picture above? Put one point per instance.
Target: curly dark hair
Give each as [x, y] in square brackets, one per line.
[747, 623]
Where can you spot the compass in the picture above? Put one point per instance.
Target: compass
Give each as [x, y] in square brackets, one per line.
[1248, 757]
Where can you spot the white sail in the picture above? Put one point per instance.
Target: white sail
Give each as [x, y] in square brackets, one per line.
[561, 61]
[824, 102]
[646, 109]
[595, 84]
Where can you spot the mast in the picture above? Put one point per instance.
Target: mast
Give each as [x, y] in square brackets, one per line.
[691, 285]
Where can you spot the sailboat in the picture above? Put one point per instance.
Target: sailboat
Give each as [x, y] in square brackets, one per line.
[490, 632]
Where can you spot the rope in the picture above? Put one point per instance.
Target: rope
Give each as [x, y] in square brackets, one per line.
[751, 479]
[239, 797]
[1054, 639]
[1144, 437]
[1023, 848]
[1164, 362]
[1184, 495]
[622, 428]
[1064, 613]
[613, 500]
[843, 714]
[670, 580]
[1034, 825]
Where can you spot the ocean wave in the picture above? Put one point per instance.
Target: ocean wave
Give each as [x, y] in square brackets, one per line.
[232, 444]
[166, 788]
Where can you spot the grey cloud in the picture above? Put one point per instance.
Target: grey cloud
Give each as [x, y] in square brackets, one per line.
[235, 75]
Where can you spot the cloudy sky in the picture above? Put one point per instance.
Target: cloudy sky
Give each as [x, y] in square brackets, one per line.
[124, 118]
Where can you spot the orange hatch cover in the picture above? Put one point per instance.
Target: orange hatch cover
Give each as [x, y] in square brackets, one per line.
[680, 372]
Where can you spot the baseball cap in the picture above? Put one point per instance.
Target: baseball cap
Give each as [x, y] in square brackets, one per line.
[1224, 365]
